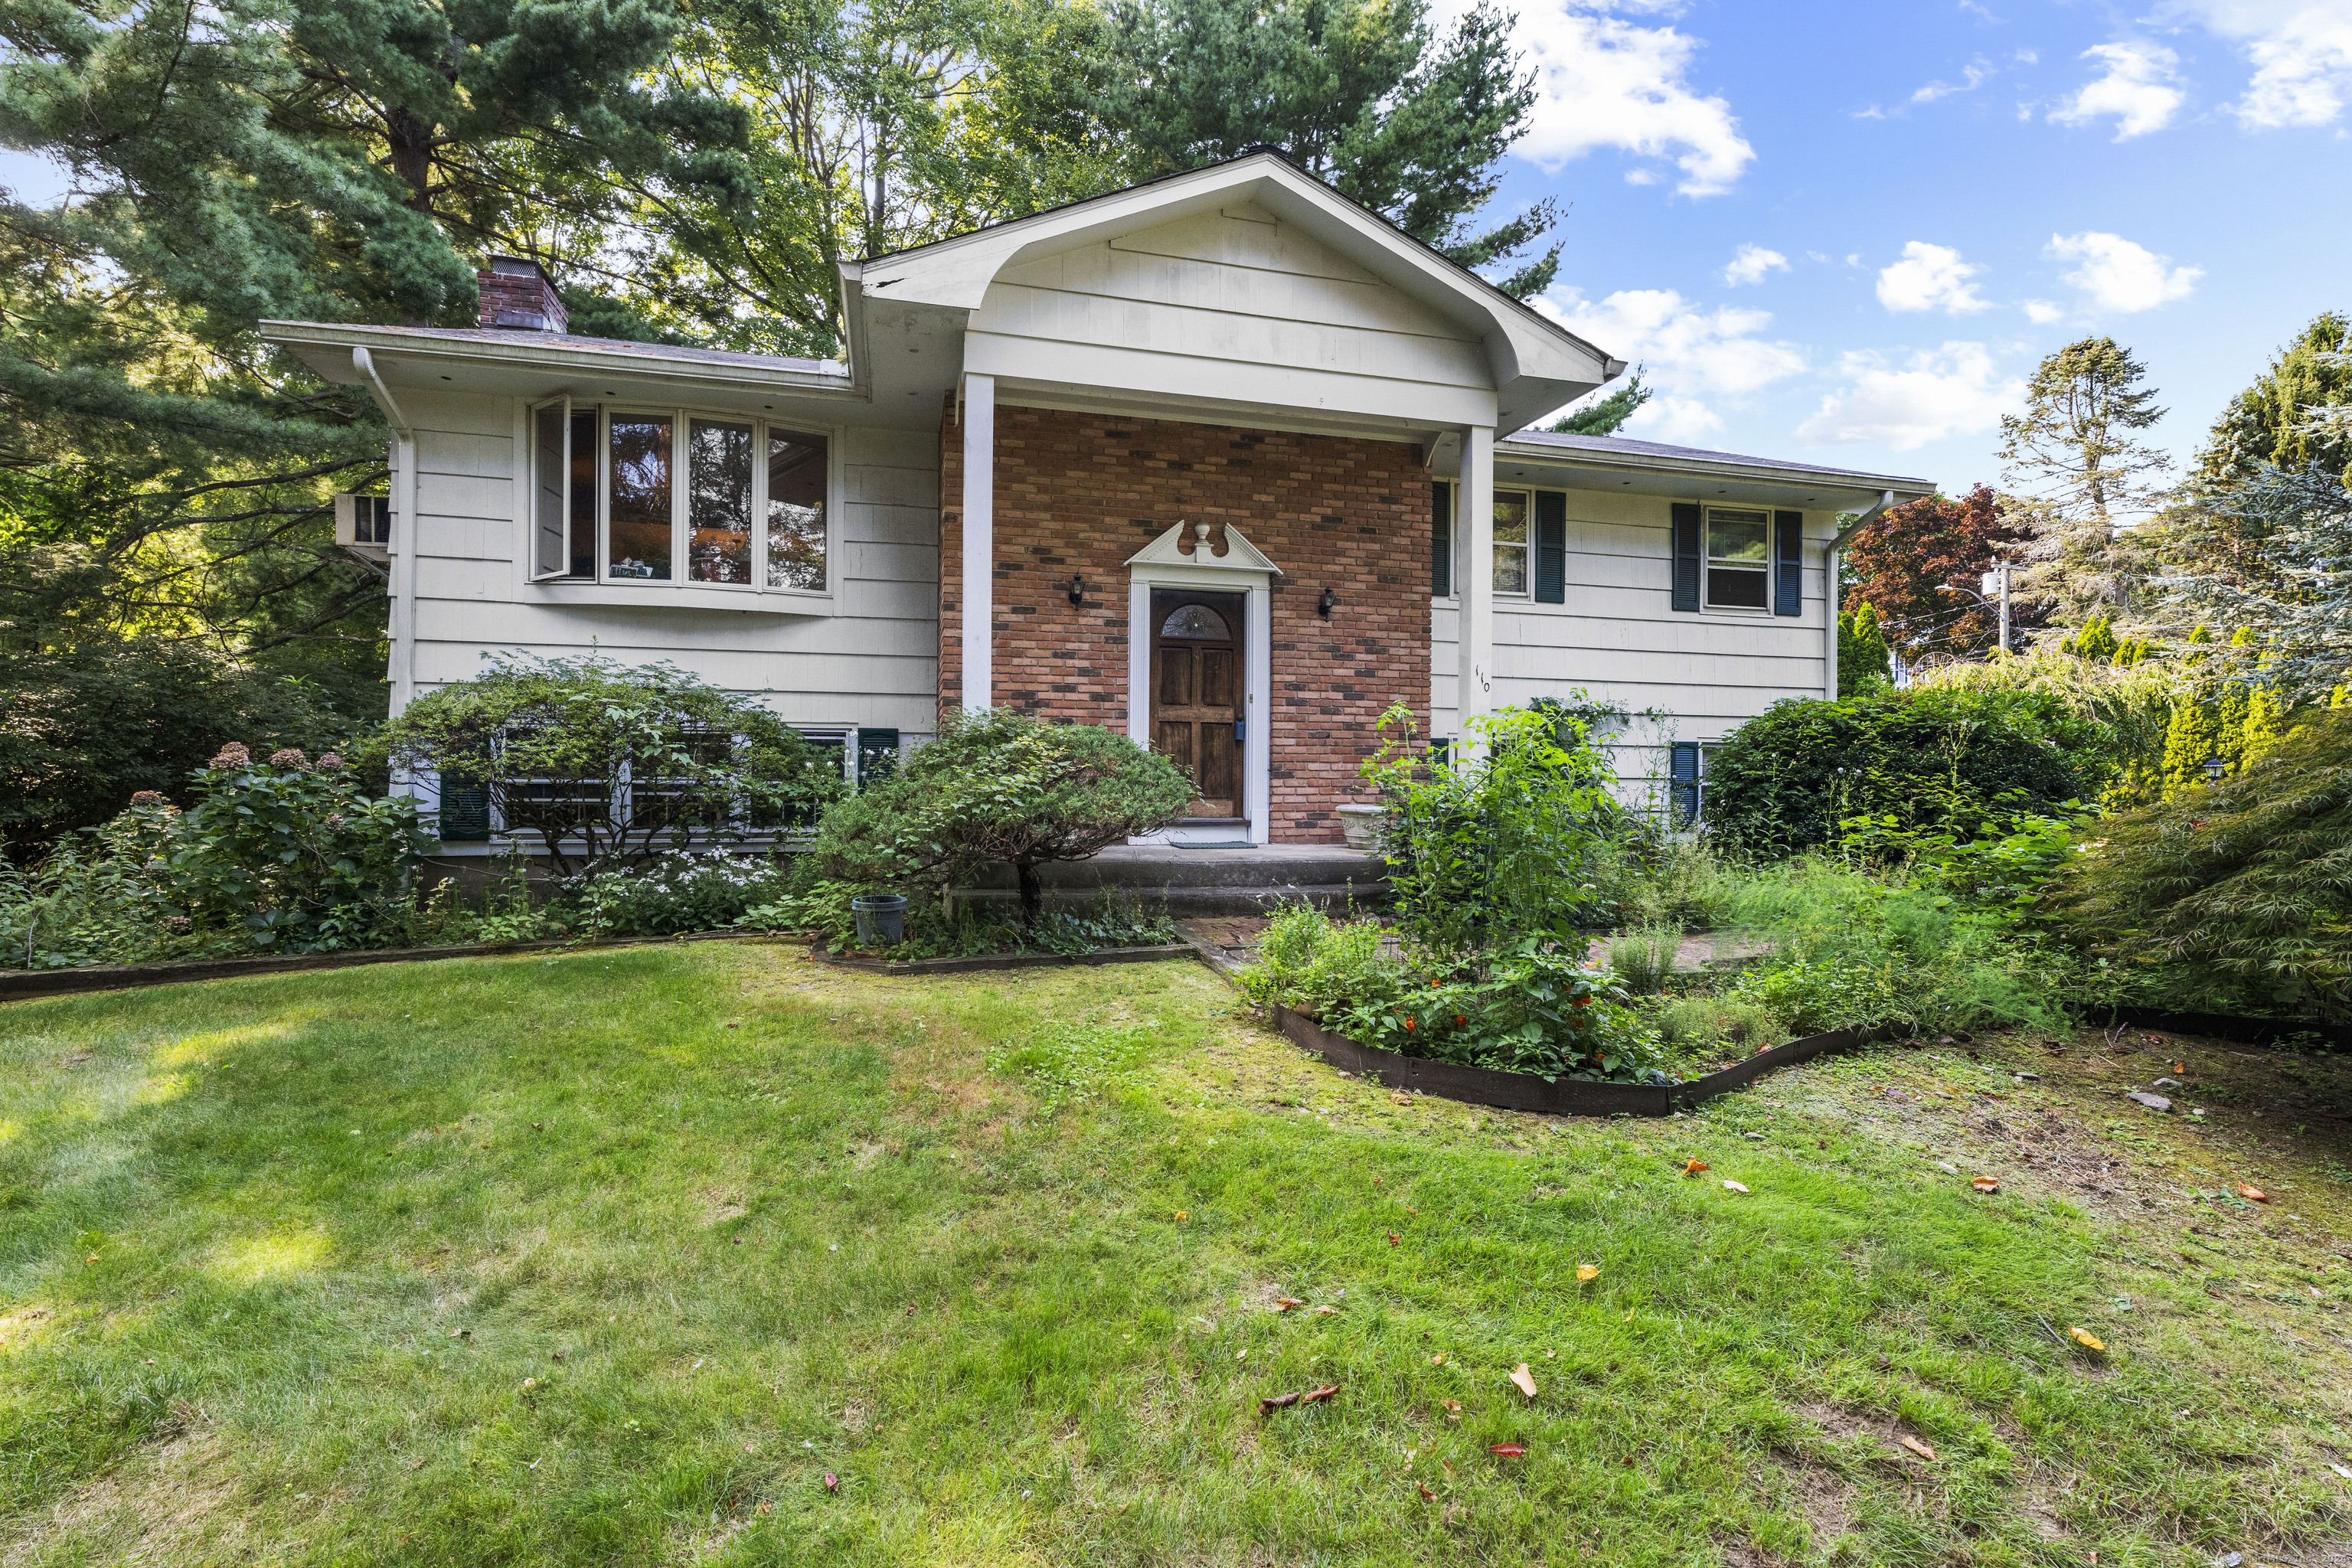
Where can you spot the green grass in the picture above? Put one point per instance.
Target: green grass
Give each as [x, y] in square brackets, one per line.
[613, 1257]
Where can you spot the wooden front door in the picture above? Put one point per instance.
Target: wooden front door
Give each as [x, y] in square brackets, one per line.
[1196, 693]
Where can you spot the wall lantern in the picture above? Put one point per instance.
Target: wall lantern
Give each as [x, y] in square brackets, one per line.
[1077, 590]
[1323, 605]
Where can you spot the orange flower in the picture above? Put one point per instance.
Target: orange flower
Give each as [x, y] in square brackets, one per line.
[1459, 1019]
[1408, 1024]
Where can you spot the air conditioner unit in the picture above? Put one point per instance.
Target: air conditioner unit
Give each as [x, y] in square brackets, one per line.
[363, 523]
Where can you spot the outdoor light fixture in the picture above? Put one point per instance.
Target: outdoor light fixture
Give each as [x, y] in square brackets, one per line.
[1077, 590]
[1323, 605]
[2214, 768]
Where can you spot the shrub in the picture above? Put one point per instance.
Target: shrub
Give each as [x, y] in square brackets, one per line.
[607, 764]
[99, 897]
[1536, 1010]
[1933, 760]
[684, 890]
[1498, 841]
[1000, 787]
[2246, 885]
[1643, 958]
[1308, 960]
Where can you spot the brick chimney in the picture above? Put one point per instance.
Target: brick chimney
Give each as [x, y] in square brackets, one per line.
[518, 294]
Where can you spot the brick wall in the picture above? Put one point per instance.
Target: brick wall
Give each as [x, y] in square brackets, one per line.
[1082, 492]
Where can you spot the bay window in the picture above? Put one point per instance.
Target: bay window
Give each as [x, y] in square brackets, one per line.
[623, 495]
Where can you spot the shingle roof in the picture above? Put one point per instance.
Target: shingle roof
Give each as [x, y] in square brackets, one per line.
[1619, 445]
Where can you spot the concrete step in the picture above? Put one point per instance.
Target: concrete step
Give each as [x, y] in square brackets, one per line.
[1204, 883]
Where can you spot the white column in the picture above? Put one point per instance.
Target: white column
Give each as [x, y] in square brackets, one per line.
[1474, 576]
[978, 539]
[1257, 710]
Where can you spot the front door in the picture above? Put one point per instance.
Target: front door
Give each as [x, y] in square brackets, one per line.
[1196, 693]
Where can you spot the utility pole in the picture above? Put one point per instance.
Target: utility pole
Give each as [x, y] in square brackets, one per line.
[1999, 574]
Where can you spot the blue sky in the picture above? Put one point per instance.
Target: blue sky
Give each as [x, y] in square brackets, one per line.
[1930, 197]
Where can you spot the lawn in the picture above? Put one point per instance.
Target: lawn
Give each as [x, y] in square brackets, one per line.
[711, 1254]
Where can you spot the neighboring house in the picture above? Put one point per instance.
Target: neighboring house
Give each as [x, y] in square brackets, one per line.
[1222, 461]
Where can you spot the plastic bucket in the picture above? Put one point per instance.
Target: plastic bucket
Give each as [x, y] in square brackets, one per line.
[881, 919]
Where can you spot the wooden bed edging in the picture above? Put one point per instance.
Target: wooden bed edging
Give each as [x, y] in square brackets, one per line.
[1003, 960]
[1563, 1097]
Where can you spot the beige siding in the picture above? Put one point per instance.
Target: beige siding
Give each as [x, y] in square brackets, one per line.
[870, 657]
[1617, 639]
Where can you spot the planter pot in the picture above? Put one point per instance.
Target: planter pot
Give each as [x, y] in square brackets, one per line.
[1558, 1097]
[1362, 824]
[881, 919]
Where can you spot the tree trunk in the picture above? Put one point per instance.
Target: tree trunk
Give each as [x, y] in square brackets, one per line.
[1033, 892]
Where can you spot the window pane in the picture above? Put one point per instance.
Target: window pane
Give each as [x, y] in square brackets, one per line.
[1196, 621]
[1510, 568]
[1735, 587]
[719, 502]
[1510, 517]
[584, 496]
[1736, 536]
[641, 497]
[796, 511]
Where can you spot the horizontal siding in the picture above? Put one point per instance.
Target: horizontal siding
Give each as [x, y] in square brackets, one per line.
[871, 658]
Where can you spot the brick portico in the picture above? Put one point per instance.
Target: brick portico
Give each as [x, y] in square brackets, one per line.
[1080, 493]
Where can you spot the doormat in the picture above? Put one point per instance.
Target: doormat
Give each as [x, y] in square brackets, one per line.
[1218, 844]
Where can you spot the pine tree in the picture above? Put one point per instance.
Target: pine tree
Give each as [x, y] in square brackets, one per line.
[2193, 735]
[2074, 456]
[2232, 709]
[1404, 117]
[2282, 419]
[1863, 653]
[2097, 641]
[1605, 414]
[2266, 726]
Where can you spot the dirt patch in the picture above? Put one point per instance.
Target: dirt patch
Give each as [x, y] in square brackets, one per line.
[1823, 1497]
[719, 1206]
[1889, 1437]
[156, 1507]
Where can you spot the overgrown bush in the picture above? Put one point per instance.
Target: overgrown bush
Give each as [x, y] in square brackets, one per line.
[2242, 889]
[610, 766]
[1498, 841]
[684, 890]
[998, 787]
[1643, 957]
[1308, 960]
[1944, 760]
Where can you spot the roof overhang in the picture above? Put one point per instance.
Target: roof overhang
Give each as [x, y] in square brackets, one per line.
[1700, 476]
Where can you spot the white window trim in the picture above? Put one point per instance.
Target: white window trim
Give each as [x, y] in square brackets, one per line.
[1706, 567]
[605, 588]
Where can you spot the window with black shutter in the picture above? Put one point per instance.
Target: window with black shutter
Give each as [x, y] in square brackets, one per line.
[1551, 548]
[1690, 549]
[1441, 539]
[1788, 563]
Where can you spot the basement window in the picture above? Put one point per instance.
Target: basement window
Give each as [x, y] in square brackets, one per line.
[672, 496]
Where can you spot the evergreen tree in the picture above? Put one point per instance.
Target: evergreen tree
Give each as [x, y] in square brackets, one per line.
[2075, 458]
[1862, 654]
[2193, 735]
[1368, 96]
[2096, 642]
[2232, 709]
[1605, 414]
[2283, 419]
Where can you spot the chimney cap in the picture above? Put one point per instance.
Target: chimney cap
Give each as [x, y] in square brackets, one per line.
[518, 267]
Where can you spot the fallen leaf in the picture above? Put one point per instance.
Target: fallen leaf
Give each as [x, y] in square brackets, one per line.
[1452, 1409]
[1425, 1491]
[2341, 1470]
[1274, 1402]
[1732, 1186]
[1401, 1098]
[1327, 1311]
[1241, 1352]
[1693, 1167]
[1586, 1273]
[1284, 1303]
[1985, 1184]
[2181, 1067]
[1508, 1450]
[2087, 1339]
[2244, 1191]
[1437, 1359]
[832, 1482]
[1915, 1445]
[767, 1508]
[1409, 1209]
[1183, 1214]
[1393, 1238]
[1380, 1181]
[418, 1465]
[1525, 1380]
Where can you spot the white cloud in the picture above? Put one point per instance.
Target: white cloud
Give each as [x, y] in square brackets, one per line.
[2137, 90]
[2118, 275]
[1683, 347]
[2042, 312]
[1602, 81]
[1952, 391]
[1675, 419]
[2301, 51]
[1974, 75]
[1929, 278]
[1749, 263]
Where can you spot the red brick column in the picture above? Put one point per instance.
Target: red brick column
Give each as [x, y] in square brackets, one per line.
[1081, 492]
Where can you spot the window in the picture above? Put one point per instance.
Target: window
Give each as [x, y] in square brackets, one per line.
[1196, 623]
[1739, 557]
[1510, 542]
[670, 496]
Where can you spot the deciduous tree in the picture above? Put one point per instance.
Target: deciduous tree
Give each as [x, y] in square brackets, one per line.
[1907, 561]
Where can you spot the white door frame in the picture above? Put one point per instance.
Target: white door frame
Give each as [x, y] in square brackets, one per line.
[1257, 583]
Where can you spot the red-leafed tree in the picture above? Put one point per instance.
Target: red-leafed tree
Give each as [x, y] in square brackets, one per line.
[1902, 562]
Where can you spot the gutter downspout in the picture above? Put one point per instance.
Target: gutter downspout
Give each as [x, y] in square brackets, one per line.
[402, 673]
[1830, 563]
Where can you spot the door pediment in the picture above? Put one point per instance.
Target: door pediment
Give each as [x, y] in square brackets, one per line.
[1196, 546]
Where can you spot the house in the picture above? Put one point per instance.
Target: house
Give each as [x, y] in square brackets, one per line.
[1222, 460]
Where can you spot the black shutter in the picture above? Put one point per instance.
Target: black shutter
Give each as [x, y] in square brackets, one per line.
[464, 810]
[877, 756]
[1551, 548]
[1688, 548]
[1683, 782]
[1441, 539]
[1788, 563]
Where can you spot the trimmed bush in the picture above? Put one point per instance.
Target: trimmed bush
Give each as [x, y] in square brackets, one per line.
[1953, 762]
